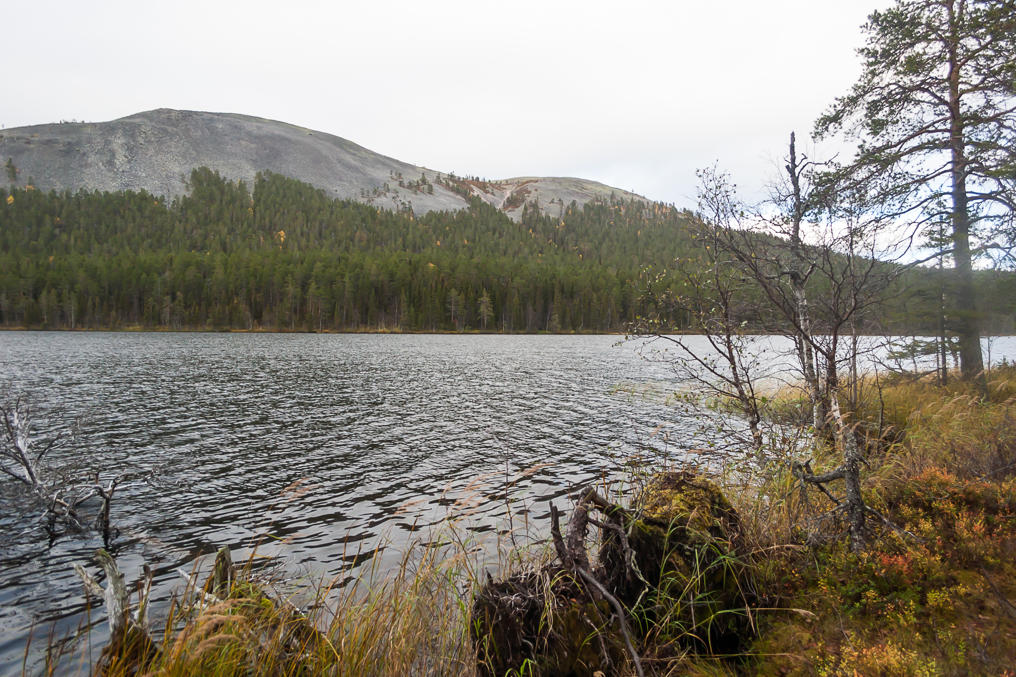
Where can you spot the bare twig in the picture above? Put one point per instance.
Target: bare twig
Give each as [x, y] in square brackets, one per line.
[574, 558]
[619, 611]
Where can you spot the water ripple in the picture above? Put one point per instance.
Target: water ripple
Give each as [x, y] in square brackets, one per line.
[326, 450]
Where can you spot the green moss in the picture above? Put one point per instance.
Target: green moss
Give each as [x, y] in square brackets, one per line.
[690, 583]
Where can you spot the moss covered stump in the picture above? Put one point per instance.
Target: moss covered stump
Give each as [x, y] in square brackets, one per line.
[681, 561]
[671, 567]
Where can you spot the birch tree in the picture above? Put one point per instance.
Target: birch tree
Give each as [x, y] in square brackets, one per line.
[815, 263]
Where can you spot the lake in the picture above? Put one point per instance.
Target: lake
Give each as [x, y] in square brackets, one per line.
[310, 444]
[317, 446]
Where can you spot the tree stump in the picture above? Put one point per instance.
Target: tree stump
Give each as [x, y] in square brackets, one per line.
[673, 558]
[684, 559]
[543, 622]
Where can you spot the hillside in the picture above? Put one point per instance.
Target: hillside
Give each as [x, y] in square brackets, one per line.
[154, 151]
[281, 254]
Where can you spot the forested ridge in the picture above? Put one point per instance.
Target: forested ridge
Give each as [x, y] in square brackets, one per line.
[282, 255]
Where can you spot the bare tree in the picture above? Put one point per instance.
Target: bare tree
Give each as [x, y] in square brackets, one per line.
[723, 301]
[809, 260]
[820, 273]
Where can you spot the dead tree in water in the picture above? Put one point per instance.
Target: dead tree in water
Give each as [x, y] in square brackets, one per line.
[130, 636]
[62, 498]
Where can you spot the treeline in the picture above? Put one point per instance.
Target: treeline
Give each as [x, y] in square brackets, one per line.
[283, 255]
[286, 256]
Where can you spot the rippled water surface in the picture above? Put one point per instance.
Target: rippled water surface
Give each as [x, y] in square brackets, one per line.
[310, 444]
[315, 446]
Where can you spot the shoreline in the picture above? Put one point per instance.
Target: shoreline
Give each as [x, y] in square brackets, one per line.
[415, 332]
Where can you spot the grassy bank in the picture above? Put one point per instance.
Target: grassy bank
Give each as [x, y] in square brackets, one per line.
[933, 594]
[410, 621]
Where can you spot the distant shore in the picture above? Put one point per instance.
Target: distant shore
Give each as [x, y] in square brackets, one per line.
[421, 332]
[277, 330]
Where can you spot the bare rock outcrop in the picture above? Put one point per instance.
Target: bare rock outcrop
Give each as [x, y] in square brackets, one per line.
[155, 151]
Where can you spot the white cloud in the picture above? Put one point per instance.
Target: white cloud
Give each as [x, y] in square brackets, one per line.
[633, 94]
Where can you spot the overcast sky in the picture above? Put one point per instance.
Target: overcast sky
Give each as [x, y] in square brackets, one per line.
[634, 94]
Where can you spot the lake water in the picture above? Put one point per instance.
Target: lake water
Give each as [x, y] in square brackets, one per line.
[315, 446]
[310, 444]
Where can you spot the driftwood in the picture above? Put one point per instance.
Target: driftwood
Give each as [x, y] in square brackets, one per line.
[223, 574]
[23, 460]
[234, 586]
[219, 585]
[130, 638]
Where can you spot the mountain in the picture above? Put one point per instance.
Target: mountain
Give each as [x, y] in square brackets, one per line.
[155, 150]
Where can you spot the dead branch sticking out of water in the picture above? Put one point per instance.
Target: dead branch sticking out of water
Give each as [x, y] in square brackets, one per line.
[62, 498]
[130, 638]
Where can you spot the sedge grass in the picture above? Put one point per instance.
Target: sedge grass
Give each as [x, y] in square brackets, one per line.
[409, 621]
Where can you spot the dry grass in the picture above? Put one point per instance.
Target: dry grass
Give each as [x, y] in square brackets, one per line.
[411, 621]
[956, 429]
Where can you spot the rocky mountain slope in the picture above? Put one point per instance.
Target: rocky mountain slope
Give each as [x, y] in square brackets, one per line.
[156, 150]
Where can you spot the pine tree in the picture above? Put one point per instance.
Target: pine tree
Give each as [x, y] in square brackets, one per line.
[486, 310]
[935, 113]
